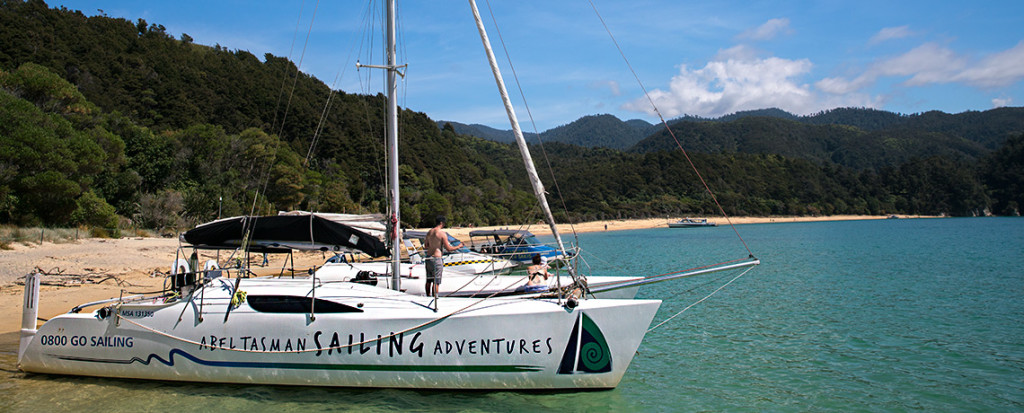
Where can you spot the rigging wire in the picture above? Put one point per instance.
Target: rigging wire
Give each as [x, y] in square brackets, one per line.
[284, 79]
[367, 39]
[400, 54]
[533, 123]
[277, 105]
[392, 215]
[392, 69]
[700, 300]
[399, 119]
[295, 81]
[669, 129]
[330, 97]
[267, 168]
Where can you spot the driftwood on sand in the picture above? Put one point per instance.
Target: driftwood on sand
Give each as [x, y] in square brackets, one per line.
[58, 277]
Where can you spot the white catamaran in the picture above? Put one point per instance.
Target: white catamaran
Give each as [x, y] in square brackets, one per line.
[218, 326]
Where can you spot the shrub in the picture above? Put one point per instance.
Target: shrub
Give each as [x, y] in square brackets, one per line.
[96, 212]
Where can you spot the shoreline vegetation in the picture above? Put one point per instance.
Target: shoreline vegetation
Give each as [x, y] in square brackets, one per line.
[91, 269]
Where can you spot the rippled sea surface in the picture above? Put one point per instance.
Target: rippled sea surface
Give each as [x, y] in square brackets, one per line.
[922, 314]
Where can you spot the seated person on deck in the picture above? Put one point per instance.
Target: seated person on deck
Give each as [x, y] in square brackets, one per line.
[538, 272]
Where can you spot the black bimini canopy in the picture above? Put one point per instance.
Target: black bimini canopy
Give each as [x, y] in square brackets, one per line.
[283, 232]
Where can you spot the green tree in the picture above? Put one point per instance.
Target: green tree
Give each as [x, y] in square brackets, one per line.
[94, 211]
[1003, 174]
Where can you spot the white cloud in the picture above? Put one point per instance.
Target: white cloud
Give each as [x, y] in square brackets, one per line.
[737, 79]
[1000, 69]
[890, 33]
[931, 63]
[839, 86]
[726, 86]
[768, 30]
[928, 63]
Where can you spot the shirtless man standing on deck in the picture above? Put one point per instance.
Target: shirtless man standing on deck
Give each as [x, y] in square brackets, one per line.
[434, 245]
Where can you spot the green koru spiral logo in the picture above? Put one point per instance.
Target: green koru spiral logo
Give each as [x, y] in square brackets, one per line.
[595, 356]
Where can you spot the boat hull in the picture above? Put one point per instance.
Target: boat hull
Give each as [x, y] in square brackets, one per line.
[692, 223]
[395, 340]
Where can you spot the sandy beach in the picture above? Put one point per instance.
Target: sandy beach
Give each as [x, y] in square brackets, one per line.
[95, 269]
[540, 228]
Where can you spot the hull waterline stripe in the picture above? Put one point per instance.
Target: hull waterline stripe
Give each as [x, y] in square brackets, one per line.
[312, 366]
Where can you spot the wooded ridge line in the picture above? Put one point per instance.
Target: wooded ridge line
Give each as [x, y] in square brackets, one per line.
[107, 122]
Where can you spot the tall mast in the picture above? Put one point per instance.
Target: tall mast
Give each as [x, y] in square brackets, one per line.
[394, 234]
[531, 170]
[396, 239]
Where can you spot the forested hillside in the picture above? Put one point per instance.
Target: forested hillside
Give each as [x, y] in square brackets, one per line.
[486, 132]
[605, 131]
[193, 125]
[844, 145]
[108, 123]
[829, 132]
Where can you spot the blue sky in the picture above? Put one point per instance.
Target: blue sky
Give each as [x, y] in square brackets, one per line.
[704, 58]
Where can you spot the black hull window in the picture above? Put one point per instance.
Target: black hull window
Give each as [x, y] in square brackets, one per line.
[293, 304]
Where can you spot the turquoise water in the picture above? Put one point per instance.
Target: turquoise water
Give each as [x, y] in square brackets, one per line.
[924, 314]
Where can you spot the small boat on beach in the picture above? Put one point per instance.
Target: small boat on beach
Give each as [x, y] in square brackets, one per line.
[692, 223]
